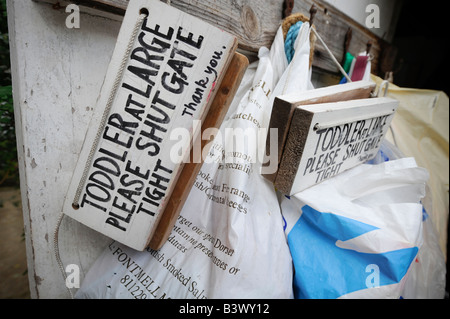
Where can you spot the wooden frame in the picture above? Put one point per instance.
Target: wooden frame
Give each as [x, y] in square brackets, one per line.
[255, 26]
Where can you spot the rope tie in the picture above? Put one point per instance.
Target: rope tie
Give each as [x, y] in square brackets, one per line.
[289, 43]
[292, 21]
[107, 110]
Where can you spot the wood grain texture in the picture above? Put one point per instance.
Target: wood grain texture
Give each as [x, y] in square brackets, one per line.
[217, 112]
[255, 23]
[332, 25]
[298, 134]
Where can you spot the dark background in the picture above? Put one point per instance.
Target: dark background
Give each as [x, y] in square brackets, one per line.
[421, 39]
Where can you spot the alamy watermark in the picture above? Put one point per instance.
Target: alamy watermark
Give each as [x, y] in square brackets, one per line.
[72, 276]
[372, 20]
[373, 17]
[373, 279]
[73, 17]
[249, 143]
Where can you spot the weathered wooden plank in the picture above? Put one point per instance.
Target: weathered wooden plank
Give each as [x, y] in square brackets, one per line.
[255, 24]
[53, 100]
[113, 6]
[332, 25]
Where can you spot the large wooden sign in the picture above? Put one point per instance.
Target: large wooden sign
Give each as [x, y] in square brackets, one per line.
[322, 140]
[163, 75]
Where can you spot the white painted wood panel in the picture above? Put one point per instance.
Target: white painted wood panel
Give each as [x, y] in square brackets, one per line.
[57, 75]
[325, 139]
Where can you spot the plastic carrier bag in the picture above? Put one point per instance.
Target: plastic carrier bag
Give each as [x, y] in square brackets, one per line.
[426, 278]
[357, 231]
[228, 241]
[420, 130]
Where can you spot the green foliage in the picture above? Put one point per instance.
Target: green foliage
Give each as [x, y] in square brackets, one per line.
[8, 150]
[5, 74]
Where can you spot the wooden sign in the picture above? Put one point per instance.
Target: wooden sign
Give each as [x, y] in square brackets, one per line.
[326, 139]
[164, 74]
[284, 106]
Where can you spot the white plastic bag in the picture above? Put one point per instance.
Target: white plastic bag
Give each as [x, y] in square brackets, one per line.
[426, 278]
[420, 129]
[356, 235]
[228, 241]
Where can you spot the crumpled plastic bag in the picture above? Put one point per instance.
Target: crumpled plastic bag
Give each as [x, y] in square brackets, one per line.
[357, 234]
[420, 129]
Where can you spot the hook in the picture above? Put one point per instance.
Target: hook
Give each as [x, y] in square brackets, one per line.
[347, 40]
[288, 5]
[368, 47]
[384, 84]
[312, 13]
[57, 6]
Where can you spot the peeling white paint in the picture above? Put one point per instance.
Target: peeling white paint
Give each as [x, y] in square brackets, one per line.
[57, 75]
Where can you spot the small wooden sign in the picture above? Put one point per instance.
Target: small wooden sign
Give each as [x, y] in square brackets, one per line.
[284, 106]
[164, 74]
[326, 139]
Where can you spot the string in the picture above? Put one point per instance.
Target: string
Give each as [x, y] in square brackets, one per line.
[107, 110]
[56, 250]
[332, 56]
[292, 34]
[289, 43]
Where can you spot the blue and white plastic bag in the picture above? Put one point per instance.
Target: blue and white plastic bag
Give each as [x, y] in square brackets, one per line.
[356, 235]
